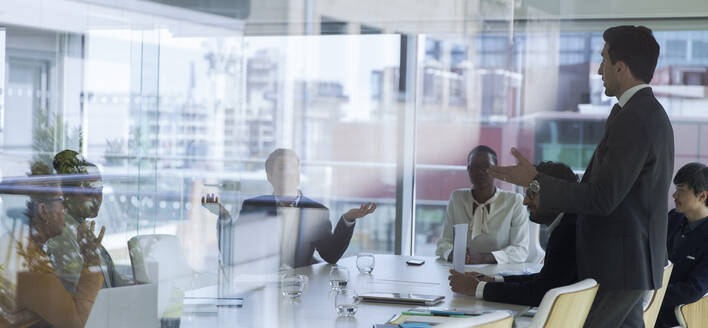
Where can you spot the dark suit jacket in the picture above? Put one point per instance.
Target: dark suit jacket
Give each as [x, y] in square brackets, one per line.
[689, 278]
[559, 269]
[621, 200]
[314, 231]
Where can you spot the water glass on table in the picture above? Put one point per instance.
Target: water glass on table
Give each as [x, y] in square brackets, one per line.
[338, 277]
[293, 285]
[365, 262]
[346, 302]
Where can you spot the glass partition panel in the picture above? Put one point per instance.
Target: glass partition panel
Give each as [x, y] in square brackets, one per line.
[546, 99]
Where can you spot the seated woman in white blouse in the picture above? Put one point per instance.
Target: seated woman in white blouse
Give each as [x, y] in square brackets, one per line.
[498, 223]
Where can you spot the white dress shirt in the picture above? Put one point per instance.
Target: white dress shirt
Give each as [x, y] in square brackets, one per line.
[505, 233]
[627, 95]
[290, 218]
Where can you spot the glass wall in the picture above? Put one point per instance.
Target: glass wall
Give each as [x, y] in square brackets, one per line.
[505, 104]
[173, 104]
[169, 119]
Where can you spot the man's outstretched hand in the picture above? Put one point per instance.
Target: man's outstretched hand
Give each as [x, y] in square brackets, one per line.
[520, 174]
[357, 213]
[211, 203]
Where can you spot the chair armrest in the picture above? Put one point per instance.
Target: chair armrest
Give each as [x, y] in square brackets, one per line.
[679, 315]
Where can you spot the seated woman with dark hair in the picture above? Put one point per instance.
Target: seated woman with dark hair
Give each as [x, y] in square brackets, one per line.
[39, 288]
[498, 225]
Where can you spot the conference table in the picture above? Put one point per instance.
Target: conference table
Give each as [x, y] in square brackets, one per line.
[264, 306]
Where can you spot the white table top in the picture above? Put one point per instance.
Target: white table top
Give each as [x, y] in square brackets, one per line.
[266, 307]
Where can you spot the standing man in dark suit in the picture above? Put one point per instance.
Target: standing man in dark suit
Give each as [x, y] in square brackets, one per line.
[621, 200]
[687, 242]
[306, 225]
[559, 267]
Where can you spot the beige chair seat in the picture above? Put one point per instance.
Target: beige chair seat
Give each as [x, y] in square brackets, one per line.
[693, 315]
[651, 310]
[567, 306]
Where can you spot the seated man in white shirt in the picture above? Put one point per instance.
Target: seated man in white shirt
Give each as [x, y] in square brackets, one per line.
[306, 224]
[559, 268]
[498, 225]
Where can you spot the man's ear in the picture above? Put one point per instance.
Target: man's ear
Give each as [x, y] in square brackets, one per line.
[269, 178]
[42, 209]
[702, 196]
[622, 67]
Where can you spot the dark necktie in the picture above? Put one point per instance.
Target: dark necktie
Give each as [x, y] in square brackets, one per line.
[615, 109]
[613, 113]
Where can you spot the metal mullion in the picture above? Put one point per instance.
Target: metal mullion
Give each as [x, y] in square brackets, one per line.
[405, 152]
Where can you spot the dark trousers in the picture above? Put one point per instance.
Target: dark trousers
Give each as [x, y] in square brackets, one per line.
[616, 308]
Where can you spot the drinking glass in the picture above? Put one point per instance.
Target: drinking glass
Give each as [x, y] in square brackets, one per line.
[365, 262]
[338, 277]
[293, 285]
[346, 302]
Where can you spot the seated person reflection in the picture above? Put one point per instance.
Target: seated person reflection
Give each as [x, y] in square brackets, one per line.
[498, 228]
[559, 267]
[687, 242]
[306, 224]
[83, 197]
[39, 289]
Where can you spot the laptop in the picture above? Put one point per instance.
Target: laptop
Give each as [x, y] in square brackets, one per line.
[401, 298]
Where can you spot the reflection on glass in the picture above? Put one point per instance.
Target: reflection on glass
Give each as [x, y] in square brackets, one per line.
[304, 223]
[40, 289]
[83, 193]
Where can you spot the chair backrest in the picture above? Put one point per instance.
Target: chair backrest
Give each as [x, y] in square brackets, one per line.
[566, 306]
[498, 319]
[651, 312]
[693, 315]
[165, 250]
[536, 252]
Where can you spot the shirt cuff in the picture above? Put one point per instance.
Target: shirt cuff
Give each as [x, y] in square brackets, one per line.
[446, 254]
[348, 224]
[498, 279]
[479, 293]
[501, 257]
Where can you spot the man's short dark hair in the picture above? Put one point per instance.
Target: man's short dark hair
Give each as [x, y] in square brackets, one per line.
[636, 47]
[483, 148]
[557, 170]
[278, 153]
[695, 176]
[70, 162]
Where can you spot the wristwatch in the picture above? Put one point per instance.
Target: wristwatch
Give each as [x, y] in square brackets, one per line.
[535, 186]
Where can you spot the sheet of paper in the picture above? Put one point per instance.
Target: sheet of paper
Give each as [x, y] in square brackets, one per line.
[459, 249]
